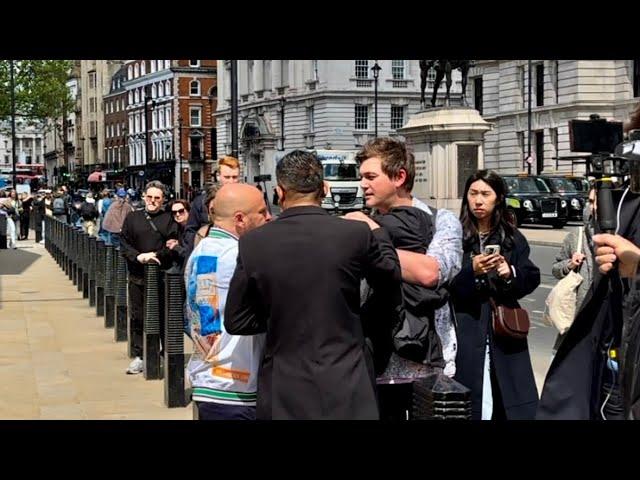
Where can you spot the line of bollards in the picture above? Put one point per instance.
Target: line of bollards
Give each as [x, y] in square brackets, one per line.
[99, 271]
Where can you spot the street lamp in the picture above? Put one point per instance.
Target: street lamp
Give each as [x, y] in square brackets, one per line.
[376, 73]
[13, 125]
[180, 152]
[282, 101]
[529, 160]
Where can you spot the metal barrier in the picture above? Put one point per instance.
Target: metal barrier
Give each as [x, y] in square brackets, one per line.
[174, 394]
[100, 265]
[120, 331]
[109, 285]
[152, 321]
[92, 271]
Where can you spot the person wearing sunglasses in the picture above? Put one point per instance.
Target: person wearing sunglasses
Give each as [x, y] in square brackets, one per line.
[179, 210]
[143, 239]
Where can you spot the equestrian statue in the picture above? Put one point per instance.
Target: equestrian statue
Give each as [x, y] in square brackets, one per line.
[443, 69]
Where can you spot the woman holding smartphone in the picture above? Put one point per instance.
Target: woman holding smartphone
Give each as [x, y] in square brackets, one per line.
[495, 265]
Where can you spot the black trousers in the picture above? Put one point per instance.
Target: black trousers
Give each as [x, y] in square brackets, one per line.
[136, 316]
[24, 226]
[219, 411]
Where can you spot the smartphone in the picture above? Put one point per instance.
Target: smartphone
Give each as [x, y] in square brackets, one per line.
[491, 249]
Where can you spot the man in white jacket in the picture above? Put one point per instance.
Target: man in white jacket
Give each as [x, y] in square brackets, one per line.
[223, 368]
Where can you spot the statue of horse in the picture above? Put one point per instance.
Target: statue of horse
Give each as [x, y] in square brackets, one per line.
[443, 69]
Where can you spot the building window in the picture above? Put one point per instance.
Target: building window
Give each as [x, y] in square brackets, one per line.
[311, 119]
[540, 84]
[168, 117]
[167, 64]
[397, 69]
[362, 68]
[6, 159]
[477, 94]
[136, 71]
[555, 79]
[136, 95]
[129, 72]
[553, 137]
[194, 63]
[143, 67]
[250, 86]
[161, 89]
[194, 88]
[522, 84]
[195, 116]
[153, 66]
[284, 65]
[267, 75]
[92, 104]
[397, 116]
[636, 78]
[521, 145]
[92, 79]
[167, 88]
[154, 91]
[361, 117]
[154, 120]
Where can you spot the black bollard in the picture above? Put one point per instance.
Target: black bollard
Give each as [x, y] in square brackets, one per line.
[84, 240]
[92, 271]
[69, 232]
[74, 256]
[438, 397]
[152, 320]
[120, 331]
[173, 361]
[109, 286]
[100, 265]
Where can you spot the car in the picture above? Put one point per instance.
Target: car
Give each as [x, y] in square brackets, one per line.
[564, 187]
[530, 200]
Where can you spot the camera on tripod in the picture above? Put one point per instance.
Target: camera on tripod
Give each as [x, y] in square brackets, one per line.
[599, 137]
[262, 178]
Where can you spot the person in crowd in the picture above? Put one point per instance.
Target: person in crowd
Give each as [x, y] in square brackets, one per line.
[387, 169]
[180, 212]
[223, 370]
[89, 214]
[114, 218]
[569, 259]
[142, 240]
[228, 172]
[298, 280]
[496, 368]
[25, 215]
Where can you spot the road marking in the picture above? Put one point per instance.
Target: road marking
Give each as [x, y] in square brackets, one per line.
[537, 311]
[544, 285]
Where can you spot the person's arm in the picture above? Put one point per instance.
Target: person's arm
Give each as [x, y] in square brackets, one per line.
[612, 248]
[383, 270]
[242, 315]
[525, 276]
[194, 222]
[562, 265]
[126, 241]
[444, 256]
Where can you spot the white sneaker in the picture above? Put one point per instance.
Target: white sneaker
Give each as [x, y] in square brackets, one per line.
[136, 366]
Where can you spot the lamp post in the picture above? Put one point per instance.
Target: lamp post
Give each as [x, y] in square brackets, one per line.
[234, 108]
[282, 101]
[180, 152]
[529, 160]
[376, 73]
[13, 124]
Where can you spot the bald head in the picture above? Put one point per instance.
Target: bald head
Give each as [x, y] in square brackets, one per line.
[239, 207]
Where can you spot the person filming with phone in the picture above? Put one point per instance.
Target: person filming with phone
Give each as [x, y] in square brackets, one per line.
[493, 355]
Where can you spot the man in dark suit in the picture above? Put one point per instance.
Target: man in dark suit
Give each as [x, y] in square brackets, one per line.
[298, 280]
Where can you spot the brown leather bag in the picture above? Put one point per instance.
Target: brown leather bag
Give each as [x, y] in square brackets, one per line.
[509, 322]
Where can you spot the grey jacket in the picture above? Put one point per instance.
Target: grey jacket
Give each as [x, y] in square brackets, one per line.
[561, 268]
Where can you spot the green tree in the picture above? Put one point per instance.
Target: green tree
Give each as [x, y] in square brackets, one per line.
[40, 89]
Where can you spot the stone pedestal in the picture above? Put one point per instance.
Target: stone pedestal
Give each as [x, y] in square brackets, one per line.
[448, 147]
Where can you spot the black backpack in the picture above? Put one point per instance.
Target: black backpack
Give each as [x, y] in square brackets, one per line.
[58, 206]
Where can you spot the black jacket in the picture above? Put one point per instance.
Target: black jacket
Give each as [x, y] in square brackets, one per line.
[138, 236]
[510, 357]
[198, 216]
[573, 386]
[298, 279]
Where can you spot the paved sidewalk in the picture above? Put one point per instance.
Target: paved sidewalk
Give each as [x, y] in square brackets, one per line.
[57, 361]
[544, 235]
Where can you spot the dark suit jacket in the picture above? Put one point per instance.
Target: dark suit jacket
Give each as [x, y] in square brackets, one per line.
[298, 280]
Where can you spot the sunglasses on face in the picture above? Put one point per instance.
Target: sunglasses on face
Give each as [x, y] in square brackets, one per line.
[178, 212]
[149, 197]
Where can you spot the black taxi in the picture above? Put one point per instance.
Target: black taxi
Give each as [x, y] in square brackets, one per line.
[565, 186]
[530, 200]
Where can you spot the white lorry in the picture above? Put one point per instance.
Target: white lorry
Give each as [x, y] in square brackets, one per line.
[343, 176]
